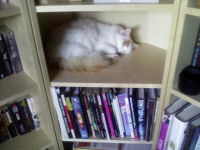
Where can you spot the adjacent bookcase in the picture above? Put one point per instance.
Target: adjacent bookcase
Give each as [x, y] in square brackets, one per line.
[15, 16]
[154, 27]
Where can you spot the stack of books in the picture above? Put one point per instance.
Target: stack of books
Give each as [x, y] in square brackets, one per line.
[18, 118]
[106, 113]
[10, 62]
[180, 128]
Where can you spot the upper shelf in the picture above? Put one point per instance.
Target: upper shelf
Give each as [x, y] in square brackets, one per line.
[15, 86]
[144, 67]
[8, 10]
[194, 11]
[88, 5]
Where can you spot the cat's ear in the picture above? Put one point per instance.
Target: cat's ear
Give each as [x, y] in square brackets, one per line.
[127, 32]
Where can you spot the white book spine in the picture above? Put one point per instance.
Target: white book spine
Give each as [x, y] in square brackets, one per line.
[64, 133]
[103, 118]
[118, 116]
[129, 117]
[34, 113]
[177, 134]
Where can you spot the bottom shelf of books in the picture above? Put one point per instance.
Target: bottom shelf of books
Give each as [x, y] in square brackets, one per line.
[180, 127]
[113, 115]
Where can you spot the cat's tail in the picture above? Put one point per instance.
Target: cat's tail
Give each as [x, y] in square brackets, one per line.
[92, 63]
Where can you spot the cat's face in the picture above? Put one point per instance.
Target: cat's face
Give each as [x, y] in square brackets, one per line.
[124, 41]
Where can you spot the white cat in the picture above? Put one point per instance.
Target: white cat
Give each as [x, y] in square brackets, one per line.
[87, 45]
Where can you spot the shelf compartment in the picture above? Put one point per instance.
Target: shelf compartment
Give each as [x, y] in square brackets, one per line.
[116, 140]
[15, 86]
[142, 68]
[193, 99]
[88, 5]
[35, 140]
[8, 10]
[193, 11]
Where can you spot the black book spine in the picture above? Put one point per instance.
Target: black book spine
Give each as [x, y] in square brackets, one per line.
[4, 58]
[99, 121]
[187, 138]
[3, 131]
[85, 114]
[13, 51]
[196, 54]
[26, 115]
[109, 98]
[17, 117]
[63, 112]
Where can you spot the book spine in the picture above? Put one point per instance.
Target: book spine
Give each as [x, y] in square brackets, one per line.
[4, 58]
[196, 54]
[63, 129]
[26, 115]
[133, 118]
[129, 118]
[197, 146]
[79, 116]
[105, 101]
[34, 113]
[68, 116]
[16, 115]
[13, 52]
[122, 103]
[141, 118]
[9, 123]
[88, 114]
[195, 139]
[3, 131]
[103, 118]
[118, 116]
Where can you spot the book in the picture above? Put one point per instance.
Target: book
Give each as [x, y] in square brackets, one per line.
[34, 114]
[129, 114]
[7, 119]
[16, 114]
[26, 116]
[141, 112]
[79, 114]
[12, 49]
[64, 133]
[179, 125]
[122, 104]
[133, 109]
[3, 131]
[167, 121]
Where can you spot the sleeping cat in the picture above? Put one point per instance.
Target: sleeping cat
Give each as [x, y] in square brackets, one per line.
[87, 45]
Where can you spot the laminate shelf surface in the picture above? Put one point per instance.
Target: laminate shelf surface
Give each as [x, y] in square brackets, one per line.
[193, 99]
[8, 10]
[116, 140]
[15, 86]
[88, 5]
[193, 11]
[143, 67]
[35, 140]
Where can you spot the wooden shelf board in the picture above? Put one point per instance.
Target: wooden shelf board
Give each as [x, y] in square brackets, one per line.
[8, 10]
[15, 86]
[193, 11]
[116, 140]
[142, 68]
[88, 5]
[195, 100]
[35, 140]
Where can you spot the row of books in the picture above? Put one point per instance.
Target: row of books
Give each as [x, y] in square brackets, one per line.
[106, 113]
[180, 127]
[10, 62]
[18, 118]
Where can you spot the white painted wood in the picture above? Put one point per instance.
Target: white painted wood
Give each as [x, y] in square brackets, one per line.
[8, 10]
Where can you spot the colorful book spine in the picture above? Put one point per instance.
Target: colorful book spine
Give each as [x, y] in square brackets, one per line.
[88, 114]
[3, 131]
[9, 123]
[79, 116]
[105, 101]
[132, 103]
[34, 114]
[103, 118]
[122, 104]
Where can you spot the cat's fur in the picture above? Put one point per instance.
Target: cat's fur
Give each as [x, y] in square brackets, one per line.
[87, 45]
